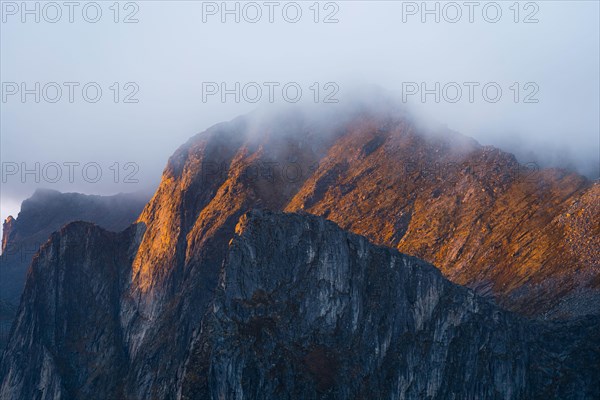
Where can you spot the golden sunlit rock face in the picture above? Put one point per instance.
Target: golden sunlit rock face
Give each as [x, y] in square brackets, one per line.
[479, 216]
[527, 237]
[201, 283]
[7, 227]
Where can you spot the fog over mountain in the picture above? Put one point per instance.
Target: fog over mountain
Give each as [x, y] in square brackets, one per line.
[242, 281]
[299, 200]
[171, 53]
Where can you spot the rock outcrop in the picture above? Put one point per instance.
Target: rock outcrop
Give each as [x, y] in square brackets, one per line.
[505, 233]
[7, 227]
[305, 310]
[526, 237]
[67, 341]
[41, 214]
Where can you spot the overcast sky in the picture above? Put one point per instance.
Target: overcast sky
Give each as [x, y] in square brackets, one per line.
[548, 72]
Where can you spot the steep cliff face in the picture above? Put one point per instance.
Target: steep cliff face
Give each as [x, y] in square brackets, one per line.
[504, 229]
[47, 211]
[526, 237]
[208, 184]
[486, 224]
[41, 214]
[305, 310]
[501, 231]
[67, 340]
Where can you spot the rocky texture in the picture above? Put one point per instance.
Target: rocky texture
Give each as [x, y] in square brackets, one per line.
[68, 342]
[41, 214]
[490, 221]
[305, 310]
[189, 222]
[529, 238]
[7, 227]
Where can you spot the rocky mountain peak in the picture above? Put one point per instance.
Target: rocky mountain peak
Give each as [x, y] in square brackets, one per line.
[203, 290]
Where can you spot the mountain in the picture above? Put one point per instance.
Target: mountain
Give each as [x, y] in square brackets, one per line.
[529, 238]
[304, 310]
[145, 296]
[46, 211]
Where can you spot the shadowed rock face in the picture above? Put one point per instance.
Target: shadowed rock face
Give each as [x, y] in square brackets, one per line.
[67, 341]
[530, 239]
[501, 232]
[43, 213]
[305, 310]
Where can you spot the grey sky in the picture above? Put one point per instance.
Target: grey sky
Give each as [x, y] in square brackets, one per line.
[170, 52]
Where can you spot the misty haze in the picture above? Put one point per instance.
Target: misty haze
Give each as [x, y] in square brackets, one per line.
[300, 200]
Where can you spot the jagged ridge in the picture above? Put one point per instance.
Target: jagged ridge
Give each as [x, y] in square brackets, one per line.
[47, 211]
[306, 310]
[350, 176]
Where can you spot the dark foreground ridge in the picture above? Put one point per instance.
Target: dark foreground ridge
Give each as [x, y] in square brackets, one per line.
[47, 211]
[304, 310]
